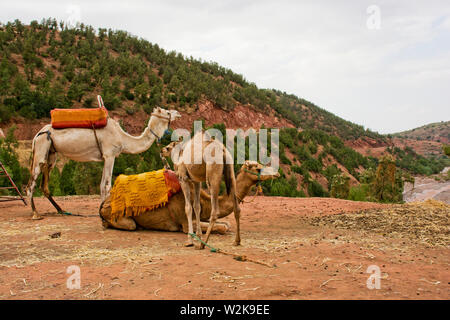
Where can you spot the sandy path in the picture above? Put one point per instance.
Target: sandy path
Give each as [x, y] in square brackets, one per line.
[426, 188]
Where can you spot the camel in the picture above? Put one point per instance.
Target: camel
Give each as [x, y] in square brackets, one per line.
[175, 156]
[80, 144]
[204, 159]
[172, 217]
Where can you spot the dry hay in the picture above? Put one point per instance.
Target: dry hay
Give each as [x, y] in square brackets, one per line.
[24, 245]
[426, 222]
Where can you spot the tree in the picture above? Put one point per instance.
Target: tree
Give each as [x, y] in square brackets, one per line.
[9, 158]
[446, 149]
[340, 186]
[86, 177]
[387, 185]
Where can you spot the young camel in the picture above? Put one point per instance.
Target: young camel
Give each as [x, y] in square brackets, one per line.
[172, 217]
[206, 160]
[80, 144]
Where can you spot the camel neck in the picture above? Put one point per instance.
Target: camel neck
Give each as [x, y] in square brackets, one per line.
[226, 202]
[243, 186]
[143, 142]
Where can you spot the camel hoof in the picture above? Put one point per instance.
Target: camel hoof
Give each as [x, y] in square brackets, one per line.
[188, 244]
[222, 229]
[105, 225]
[36, 217]
[236, 243]
[228, 225]
[199, 246]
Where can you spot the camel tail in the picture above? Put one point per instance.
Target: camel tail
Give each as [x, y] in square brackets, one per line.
[230, 182]
[32, 153]
[32, 162]
[228, 173]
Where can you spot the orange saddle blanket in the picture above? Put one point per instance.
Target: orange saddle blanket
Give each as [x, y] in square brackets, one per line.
[79, 118]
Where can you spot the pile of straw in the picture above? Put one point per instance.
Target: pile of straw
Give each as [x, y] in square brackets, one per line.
[426, 222]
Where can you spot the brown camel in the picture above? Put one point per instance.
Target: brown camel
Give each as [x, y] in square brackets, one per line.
[206, 160]
[172, 217]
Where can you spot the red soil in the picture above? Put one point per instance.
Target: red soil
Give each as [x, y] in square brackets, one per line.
[311, 262]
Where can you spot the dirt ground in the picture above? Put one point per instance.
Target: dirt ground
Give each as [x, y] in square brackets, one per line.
[311, 261]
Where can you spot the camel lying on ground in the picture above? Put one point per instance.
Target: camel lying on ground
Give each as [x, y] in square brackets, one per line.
[172, 217]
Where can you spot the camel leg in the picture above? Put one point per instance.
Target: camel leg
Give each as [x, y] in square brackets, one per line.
[31, 185]
[185, 186]
[219, 227]
[46, 169]
[237, 215]
[214, 189]
[40, 151]
[105, 185]
[124, 223]
[197, 209]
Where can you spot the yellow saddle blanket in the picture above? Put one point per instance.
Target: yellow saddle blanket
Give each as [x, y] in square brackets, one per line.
[134, 194]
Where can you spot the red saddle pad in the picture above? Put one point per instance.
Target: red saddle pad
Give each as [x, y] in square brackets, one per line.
[79, 118]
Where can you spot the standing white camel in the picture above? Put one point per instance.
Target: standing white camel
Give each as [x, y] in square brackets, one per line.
[80, 144]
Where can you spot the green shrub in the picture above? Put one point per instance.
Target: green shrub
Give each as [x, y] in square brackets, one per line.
[340, 186]
[315, 189]
[359, 193]
[9, 158]
[312, 164]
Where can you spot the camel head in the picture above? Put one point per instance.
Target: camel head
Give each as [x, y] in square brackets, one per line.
[167, 150]
[254, 171]
[160, 120]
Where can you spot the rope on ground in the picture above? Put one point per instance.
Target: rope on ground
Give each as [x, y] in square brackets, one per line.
[66, 213]
[234, 255]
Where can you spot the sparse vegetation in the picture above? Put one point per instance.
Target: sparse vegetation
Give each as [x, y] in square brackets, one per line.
[9, 158]
[46, 65]
[438, 131]
[416, 164]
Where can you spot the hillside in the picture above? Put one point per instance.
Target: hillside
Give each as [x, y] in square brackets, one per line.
[46, 65]
[438, 132]
[426, 140]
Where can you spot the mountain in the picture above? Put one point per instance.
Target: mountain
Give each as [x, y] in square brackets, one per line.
[437, 131]
[47, 65]
[426, 140]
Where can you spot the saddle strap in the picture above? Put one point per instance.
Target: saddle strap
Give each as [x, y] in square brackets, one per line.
[98, 142]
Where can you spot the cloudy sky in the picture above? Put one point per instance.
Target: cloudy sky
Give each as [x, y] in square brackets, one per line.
[382, 64]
